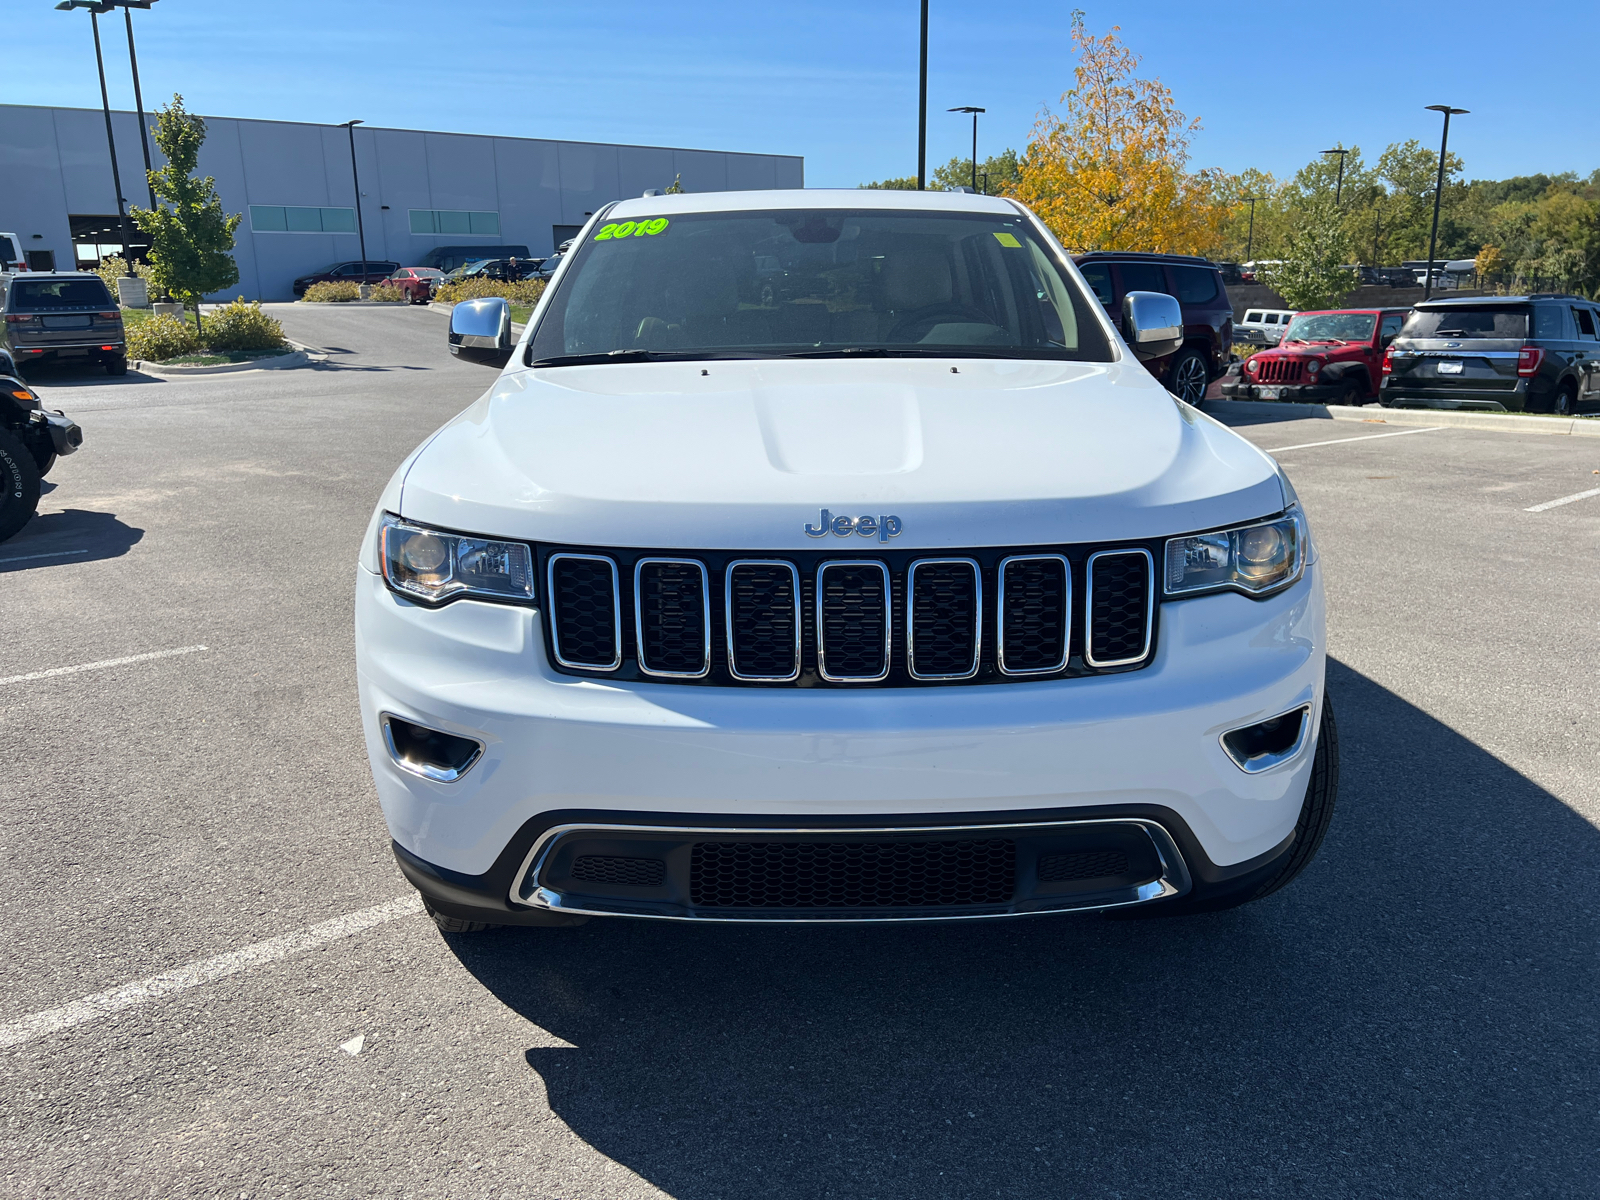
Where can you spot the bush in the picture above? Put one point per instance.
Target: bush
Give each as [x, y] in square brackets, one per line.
[526, 291]
[388, 293]
[330, 292]
[161, 338]
[242, 326]
[114, 268]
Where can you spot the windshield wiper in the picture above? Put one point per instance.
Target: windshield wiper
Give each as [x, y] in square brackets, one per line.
[626, 356]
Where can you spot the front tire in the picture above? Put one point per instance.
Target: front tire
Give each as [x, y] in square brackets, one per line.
[1352, 394]
[448, 924]
[19, 485]
[1316, 813]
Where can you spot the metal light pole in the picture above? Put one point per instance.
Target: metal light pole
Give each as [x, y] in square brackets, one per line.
[1338, 187]
[1438, 190]
[922, 107]
[967, 108]
[361, 231]
[95, 9]
[1250, 242]
[127, 7]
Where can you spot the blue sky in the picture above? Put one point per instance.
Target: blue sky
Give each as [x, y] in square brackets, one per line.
[835, 81]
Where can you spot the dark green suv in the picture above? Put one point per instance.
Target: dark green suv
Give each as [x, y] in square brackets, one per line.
[64, 315]
[1538, 353]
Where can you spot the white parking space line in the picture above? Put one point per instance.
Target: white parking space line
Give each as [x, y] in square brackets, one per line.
[207, 970]
[1363, 438]
[35, 557]
[95, 666]
[1572, 499]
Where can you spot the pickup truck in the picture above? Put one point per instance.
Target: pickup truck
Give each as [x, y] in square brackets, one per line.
[1325, 357]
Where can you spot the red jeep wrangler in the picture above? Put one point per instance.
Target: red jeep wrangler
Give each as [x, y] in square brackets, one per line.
[1327, 357]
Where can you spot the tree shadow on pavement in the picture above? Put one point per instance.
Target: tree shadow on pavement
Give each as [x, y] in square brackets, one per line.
[75, 535]
[1415, 1016]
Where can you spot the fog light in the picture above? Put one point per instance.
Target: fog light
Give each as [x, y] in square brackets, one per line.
[1266, 744]
[430, 753]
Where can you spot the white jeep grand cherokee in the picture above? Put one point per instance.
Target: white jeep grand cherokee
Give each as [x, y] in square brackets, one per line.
[826, 556]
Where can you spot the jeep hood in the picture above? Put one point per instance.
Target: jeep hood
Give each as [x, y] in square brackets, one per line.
[744, 454]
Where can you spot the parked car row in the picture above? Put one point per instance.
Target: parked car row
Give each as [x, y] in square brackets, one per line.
[1535, 353]
[445, 264]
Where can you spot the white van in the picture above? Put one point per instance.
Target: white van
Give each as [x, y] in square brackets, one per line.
[1263, 326]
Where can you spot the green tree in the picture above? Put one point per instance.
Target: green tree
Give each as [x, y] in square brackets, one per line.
[191, 251]
[1312, 274]
[900, 183]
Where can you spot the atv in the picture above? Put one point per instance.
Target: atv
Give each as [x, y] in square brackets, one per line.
[31, 439]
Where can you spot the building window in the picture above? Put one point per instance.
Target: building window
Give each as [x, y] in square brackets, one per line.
[430, 221]
[278, 218]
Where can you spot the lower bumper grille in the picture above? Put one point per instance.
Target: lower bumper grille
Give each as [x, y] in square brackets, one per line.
[852, 874]
[896, 873]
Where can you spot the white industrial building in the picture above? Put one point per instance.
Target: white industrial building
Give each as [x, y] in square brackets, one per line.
[292, 183]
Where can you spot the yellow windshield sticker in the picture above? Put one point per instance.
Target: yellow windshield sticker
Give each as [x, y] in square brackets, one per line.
[622, 229]
[1008, 240]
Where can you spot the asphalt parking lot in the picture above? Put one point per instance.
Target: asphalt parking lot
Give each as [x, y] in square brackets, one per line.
[1416, 1016]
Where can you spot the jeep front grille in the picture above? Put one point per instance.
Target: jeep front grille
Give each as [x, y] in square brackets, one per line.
[878, 618]
[1280, 370]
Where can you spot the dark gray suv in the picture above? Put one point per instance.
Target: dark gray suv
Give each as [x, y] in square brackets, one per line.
[1537, 353]
[63, 315]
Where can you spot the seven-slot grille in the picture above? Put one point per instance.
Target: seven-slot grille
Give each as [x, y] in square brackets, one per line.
[806, 620]
[1279, 370]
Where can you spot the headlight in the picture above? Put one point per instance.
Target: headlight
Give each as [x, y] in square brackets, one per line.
[1255, 559]
[1313, 367]
[436, 566]
[1251, 365]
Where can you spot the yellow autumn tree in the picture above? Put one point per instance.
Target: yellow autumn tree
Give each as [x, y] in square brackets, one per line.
[1111, 171]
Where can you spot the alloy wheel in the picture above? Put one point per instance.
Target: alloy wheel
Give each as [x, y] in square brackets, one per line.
[1189, 379]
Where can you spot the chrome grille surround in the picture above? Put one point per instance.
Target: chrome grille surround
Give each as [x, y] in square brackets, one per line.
[705, 619]
[728, 608]
[866, 566]
[911, 617]
[1001, 618]
[1088, 608]
[616, 611]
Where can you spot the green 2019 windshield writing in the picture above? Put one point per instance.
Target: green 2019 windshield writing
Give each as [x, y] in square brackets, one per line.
[622, 229]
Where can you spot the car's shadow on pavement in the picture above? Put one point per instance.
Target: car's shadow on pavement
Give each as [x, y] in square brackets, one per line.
[74, 535]
[1416, 1016]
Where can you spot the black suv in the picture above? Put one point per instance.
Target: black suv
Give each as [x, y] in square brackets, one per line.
[1538, 353]
[1207, 312]
[347, 272]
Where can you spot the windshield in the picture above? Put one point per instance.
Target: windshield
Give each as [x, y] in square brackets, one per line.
[40, 294]
[817, 283]
[1332, 327]
[1467, 322]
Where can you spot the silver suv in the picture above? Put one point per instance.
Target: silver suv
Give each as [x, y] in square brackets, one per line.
[63, 315]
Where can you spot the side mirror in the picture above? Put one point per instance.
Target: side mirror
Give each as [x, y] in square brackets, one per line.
[480, 331]
[1152, 322]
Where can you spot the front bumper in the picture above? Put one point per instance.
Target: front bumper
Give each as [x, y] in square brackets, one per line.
[1137, 746]
[1310, 393]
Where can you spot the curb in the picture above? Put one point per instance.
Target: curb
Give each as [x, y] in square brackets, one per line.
[300, 358]
[1375, 414]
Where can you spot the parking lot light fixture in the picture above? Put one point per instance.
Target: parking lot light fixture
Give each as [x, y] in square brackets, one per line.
[127, 7]
[1250, 239]
[1438, 190]
[968, 108]
[361, 232]
[1338, 187]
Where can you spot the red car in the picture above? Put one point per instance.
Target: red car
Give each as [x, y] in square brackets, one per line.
[1333, 357]
[417, 282]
